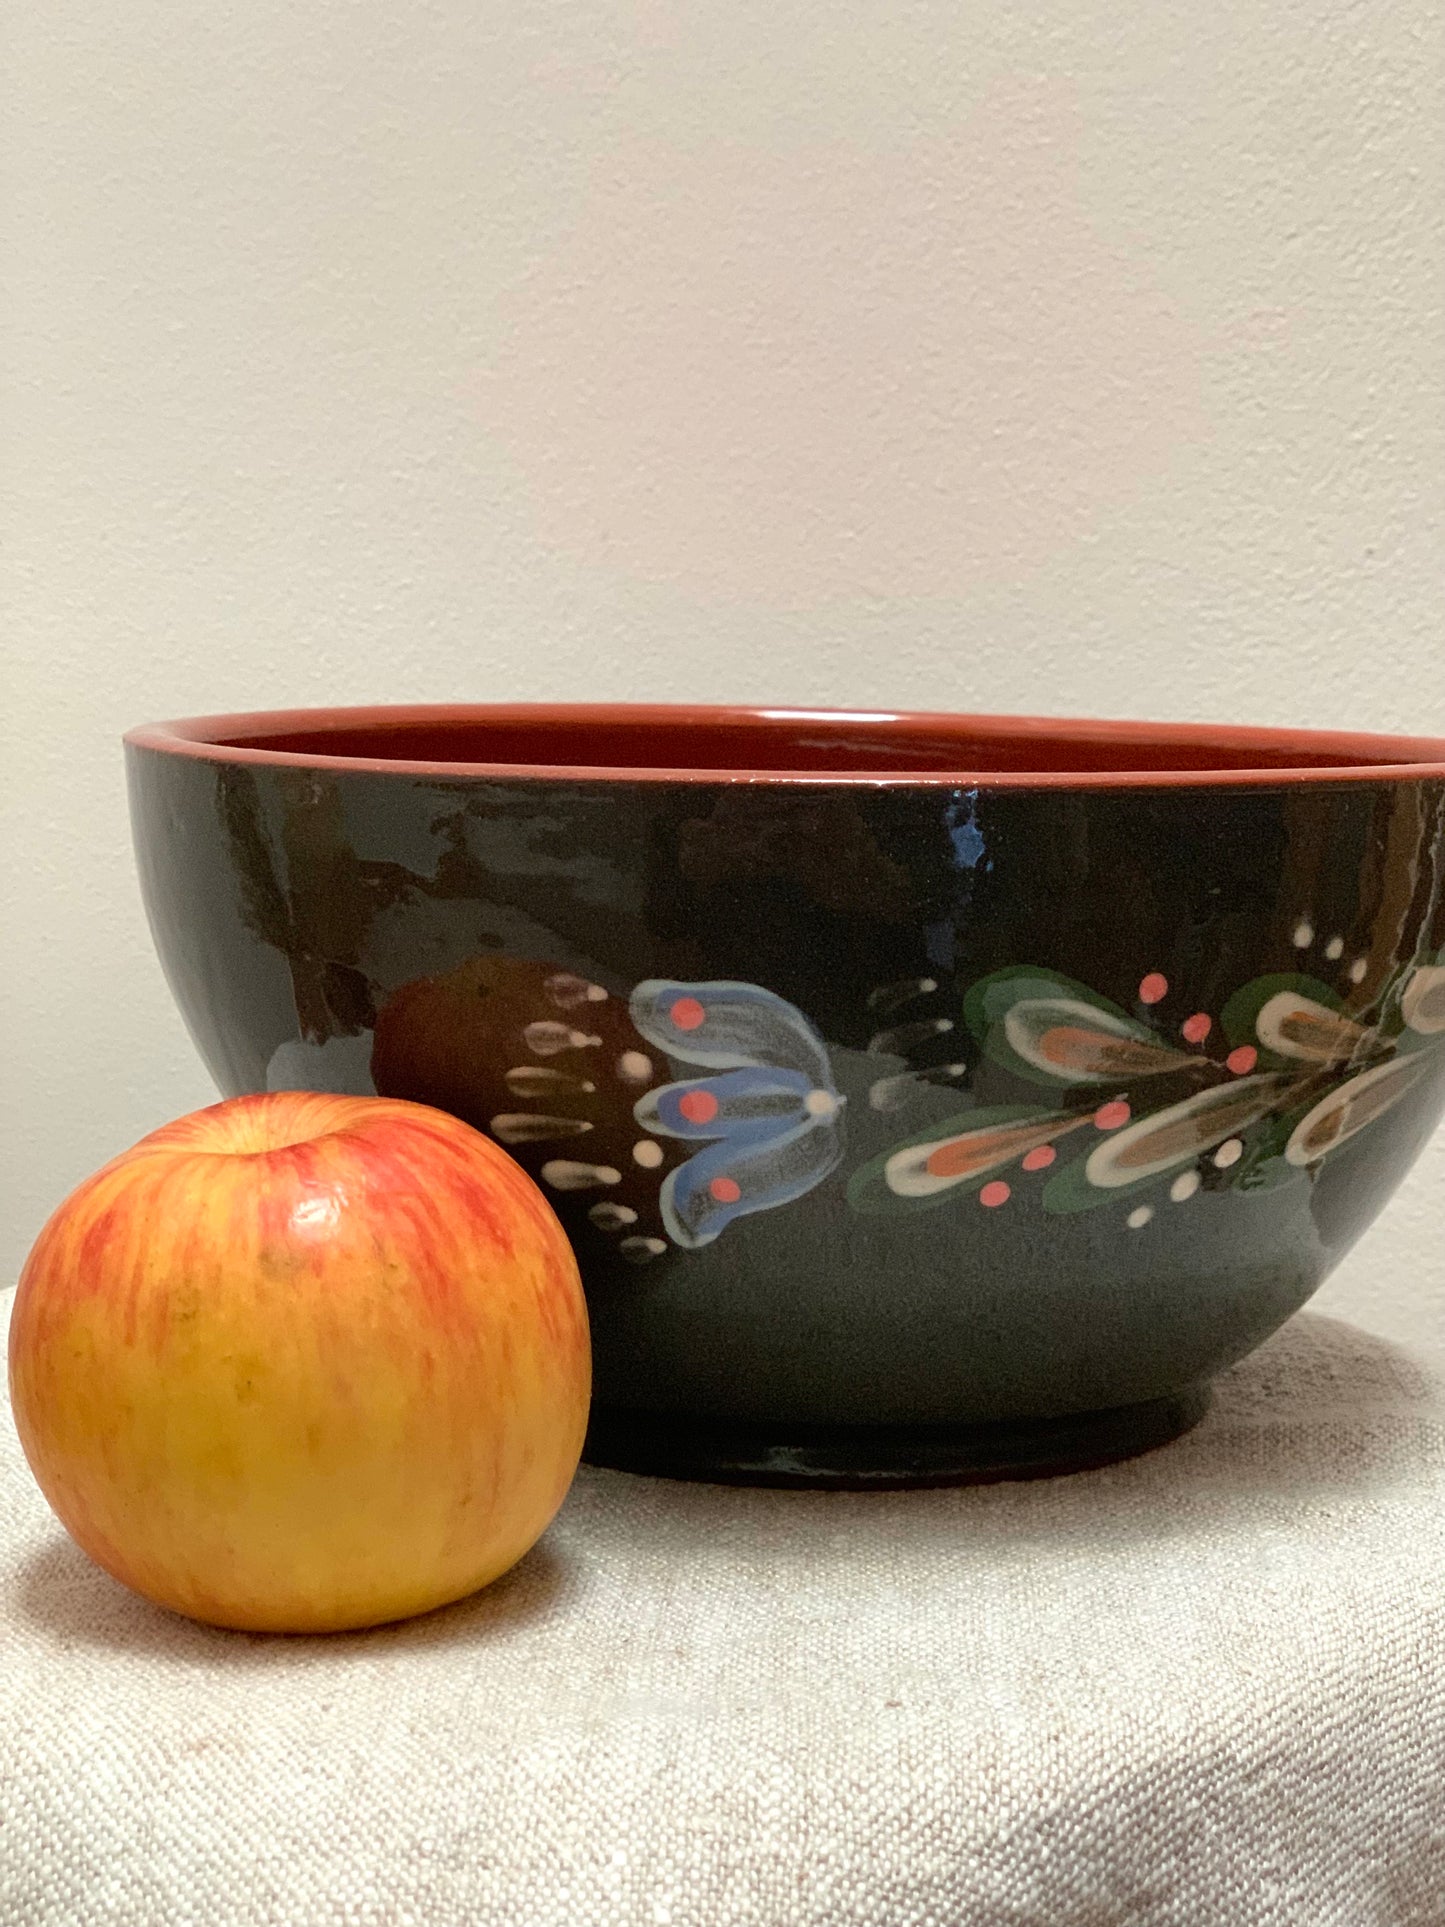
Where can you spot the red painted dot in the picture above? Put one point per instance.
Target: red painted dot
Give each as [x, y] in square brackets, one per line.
[698, 1107]
[725, 1190]
[1196, 1028]
[687, 1013]
[1040, 1158]
[995, 1194]
[1242, 1060]
[1153, 987]
[1110, 1116]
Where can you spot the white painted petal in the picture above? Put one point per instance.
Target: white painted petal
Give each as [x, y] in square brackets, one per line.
[1350, 1107]
[1296, 1026]
[1179, 1134]
[1423, 1003]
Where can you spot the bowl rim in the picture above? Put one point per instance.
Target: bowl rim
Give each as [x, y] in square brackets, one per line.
[1372, 757]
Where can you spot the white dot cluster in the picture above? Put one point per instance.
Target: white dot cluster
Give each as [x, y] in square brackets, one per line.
[1304, 936]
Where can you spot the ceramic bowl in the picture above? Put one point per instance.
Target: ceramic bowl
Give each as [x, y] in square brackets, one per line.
[926, 1096]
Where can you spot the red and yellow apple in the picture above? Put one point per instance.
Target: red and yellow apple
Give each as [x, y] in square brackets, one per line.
[300, 1363]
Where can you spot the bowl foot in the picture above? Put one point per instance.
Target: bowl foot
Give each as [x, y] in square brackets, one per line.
[878, 1457]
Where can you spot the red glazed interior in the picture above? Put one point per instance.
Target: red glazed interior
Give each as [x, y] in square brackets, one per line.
[659, 743]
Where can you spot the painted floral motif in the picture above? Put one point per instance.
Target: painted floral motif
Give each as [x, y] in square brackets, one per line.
[1287, 1075]
[584, 1089]
[658, 1118]
[766, 1115]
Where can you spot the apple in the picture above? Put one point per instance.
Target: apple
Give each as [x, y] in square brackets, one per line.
[302, 1363]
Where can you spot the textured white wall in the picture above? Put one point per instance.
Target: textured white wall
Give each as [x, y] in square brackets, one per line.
[1058, 357]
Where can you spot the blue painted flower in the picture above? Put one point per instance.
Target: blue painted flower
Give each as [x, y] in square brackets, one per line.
[768, 1118]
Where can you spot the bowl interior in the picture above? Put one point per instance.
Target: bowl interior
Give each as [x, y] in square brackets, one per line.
[623, 739]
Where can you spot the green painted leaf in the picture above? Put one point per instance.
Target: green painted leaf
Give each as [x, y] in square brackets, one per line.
[1267, 1174]
[1050, 1030]
[1068, 1190]
[1351, 1107]
[1264, 1165]
[1241, 1014]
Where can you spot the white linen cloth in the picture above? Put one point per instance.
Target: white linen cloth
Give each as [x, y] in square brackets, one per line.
[1202, 1689]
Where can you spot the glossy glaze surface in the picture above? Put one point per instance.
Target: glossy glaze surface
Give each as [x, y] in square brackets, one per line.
[881, 1092]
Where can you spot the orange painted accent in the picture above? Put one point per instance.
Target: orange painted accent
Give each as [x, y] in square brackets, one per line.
[994, 1194]
[725, 1190]
[698, 1107]
[1195, 1029]
[1110, 1116]
[975, 1151]
[1040, 1158]
[1322, 1031]
[1153, 988]
[687, 1013]
[1242, 1060]
[302, 1362]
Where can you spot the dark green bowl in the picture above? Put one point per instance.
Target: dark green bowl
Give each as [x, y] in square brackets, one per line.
[926, 1097]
